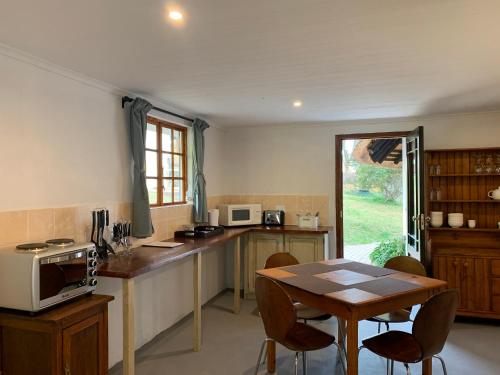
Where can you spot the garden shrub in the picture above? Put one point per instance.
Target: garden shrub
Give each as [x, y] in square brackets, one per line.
[387, 250]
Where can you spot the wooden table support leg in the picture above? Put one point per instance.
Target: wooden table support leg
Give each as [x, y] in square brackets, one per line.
[271, 357]
[237, 275]
[352, 347]
[128, 327]
[427, 367]
[197, 302]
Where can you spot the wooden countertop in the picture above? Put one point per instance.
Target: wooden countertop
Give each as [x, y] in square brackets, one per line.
[145, 259]
[63, 314]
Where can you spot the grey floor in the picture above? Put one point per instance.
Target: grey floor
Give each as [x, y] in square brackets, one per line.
[231, 343]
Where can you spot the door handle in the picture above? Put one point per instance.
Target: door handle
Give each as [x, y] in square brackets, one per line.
[422, 221]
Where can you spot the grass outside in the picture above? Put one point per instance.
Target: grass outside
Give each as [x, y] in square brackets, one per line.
[368, 218]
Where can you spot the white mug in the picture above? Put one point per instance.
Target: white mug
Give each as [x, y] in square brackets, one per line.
[471, 223]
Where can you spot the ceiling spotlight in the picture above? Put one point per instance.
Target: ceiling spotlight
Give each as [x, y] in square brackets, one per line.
[175, 15]
[297, 103]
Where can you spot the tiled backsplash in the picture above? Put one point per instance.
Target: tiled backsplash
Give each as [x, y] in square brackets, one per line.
[75, 222]
[293, 204]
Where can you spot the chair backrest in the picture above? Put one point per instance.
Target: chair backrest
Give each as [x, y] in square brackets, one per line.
[434, 320]
[406, 264]
[281, 260]
[275, 307]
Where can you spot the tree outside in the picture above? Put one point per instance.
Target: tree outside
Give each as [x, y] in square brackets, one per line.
[373, 210]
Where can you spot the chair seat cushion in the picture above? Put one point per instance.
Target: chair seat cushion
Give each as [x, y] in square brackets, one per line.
[310, 313]
[302, 338]
[398, 316]
[397, 345]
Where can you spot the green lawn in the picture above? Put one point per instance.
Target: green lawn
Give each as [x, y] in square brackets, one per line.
[368, 219]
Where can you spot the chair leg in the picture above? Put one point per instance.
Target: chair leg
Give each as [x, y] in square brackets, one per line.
[379, 325]
[304, 363]
[392, 367]
[387, 326]
[342, 353]
[408, 372]
[296, 363]
[264, 344]
[342, 332]
[442, 364]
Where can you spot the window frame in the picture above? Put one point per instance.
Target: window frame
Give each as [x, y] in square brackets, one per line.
[160, 179]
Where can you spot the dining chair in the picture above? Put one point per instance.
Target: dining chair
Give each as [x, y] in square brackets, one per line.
[429, 333]
[406, 264]
[304, 312]
[280, 323]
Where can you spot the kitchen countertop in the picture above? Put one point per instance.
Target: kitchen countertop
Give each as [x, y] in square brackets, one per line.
[145, 258]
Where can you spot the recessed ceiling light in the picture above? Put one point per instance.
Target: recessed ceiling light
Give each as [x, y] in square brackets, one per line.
[175, 15]
[297, 103]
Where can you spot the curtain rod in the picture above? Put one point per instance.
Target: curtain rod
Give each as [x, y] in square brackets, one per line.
[126, 99]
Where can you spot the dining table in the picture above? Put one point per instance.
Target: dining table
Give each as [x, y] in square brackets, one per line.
[351, 291]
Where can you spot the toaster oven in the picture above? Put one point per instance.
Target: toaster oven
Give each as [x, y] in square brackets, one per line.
[35, 280]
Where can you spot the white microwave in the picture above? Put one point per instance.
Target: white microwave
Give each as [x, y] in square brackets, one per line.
[240, 214]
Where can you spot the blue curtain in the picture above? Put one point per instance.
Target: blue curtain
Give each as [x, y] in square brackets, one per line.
[136, 114]
[200, 212]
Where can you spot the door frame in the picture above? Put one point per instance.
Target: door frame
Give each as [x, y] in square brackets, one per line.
[339, 180]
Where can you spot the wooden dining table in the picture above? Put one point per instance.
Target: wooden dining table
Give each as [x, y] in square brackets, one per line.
[352, 292]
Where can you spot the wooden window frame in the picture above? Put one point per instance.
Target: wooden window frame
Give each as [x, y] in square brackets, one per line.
[162, 124]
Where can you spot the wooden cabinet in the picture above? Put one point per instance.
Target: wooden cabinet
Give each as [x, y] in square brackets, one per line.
[260, 247]
[70, 339]
[305, 247]
[458, 181]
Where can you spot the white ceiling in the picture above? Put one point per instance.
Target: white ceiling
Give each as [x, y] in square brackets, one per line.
[243, 62]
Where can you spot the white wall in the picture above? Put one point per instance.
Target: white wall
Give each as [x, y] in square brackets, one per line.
[300, 159]
[63, 142]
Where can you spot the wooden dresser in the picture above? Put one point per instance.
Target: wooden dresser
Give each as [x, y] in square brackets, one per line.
[467, 258]
[71, 339]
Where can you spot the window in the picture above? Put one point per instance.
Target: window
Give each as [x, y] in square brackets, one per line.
[166, 173]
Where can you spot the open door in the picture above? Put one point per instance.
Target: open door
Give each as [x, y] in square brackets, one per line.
[416, 236]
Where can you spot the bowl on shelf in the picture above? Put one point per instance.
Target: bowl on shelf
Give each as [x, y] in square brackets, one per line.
[456, 220]
[436, 219]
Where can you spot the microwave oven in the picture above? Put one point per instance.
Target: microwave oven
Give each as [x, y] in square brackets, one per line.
[34, 280]
[231, 215]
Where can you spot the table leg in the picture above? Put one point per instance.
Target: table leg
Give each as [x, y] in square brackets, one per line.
[128, 295]
[427, 366]
[352, 347]
[197, 302]
[237, 275]
[271, 357]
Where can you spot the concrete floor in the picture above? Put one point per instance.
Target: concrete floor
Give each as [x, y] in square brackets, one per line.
[360, 253]
[231, 344]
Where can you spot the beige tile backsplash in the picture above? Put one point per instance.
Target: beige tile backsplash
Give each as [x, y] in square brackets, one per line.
[75, 222]
[294, 204]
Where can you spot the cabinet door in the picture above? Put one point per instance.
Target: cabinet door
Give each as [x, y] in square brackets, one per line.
[449, 269]
[475, 285]
[261, 246]
[85, 347]
[470, 276]
[306, 248]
